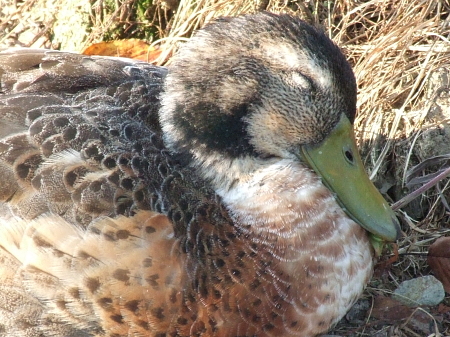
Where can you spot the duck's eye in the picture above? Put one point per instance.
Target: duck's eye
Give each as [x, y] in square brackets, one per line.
[300, 80]
[266, 156]
[349, 155]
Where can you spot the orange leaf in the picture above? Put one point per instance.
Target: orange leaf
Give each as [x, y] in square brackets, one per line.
[132, 48]
[439, 260]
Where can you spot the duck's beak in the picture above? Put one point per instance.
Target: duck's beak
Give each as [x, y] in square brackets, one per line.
[337, 161]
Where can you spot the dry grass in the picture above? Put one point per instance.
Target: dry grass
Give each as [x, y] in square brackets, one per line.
[398, 50]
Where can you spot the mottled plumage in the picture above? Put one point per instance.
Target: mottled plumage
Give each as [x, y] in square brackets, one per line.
[137, 201]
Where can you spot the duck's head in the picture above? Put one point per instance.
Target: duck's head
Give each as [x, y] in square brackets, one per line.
[247, 91]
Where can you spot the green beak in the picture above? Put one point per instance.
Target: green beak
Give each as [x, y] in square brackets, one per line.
[337, 161]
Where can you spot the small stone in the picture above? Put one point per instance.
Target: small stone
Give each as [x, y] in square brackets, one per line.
[426, 290]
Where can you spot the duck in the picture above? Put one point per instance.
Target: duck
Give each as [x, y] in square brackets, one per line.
[221, 196]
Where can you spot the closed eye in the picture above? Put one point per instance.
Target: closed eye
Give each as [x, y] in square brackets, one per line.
[267, 156]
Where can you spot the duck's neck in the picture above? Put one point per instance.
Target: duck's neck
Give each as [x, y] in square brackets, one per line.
[286, 203]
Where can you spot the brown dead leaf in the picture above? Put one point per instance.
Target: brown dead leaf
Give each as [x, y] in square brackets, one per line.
[132, 48]
[439, 260]
[443, 309]
[389, 310]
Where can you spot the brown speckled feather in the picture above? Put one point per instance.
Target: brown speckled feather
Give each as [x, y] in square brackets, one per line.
[77, 161]
[110, 228]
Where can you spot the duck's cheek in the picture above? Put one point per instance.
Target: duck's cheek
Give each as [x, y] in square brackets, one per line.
[280, 123]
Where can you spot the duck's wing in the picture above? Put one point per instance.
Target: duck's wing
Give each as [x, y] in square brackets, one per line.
[77, 232]
[61, 112]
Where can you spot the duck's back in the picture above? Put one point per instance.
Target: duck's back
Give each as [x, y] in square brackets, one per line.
[83, 175]
[84, 114]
